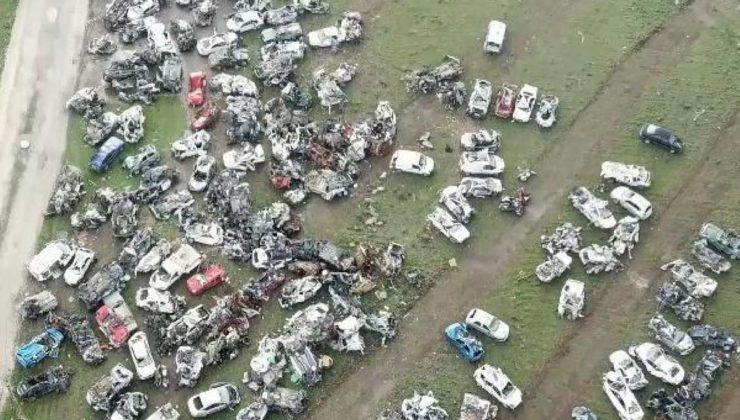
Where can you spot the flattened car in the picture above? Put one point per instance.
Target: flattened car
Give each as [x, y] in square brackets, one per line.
[495, 382]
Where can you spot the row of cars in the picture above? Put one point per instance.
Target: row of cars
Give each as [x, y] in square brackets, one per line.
[512, 102]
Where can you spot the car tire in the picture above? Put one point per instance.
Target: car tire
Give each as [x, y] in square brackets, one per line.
[647, 141]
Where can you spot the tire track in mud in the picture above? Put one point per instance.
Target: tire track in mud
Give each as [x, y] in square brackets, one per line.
[582, 143]
[599, 332]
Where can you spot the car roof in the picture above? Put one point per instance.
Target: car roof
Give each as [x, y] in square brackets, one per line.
[211, 397]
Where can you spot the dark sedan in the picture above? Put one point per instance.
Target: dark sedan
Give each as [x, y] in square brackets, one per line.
[653, 134]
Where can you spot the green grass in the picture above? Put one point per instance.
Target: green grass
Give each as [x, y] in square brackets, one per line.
[7, 16]
[698, 83]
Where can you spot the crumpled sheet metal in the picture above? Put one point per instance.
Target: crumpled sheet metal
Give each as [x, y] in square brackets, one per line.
[102, 45]
[111, 278]
[78, 328]
[130, 405]
[311, 324]
[99, 129]
[475, 408]
[686, 307]
[267, 366]
[554, 267]
[428, 80]
[37, 305]
[234, 85]
[299, 290]
[87, 102]
[423, 407]
[101, 393]
[709, 258]
[68, 190]
[189, 364]
[285, 400]
[674, 407]
[191, 145]
[345, 335]
[165, 206]
[599, 258]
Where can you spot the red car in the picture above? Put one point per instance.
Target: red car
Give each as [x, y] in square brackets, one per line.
[211, 277]
[204, 118]
[112, 326]
[505, 98]
[197, 91]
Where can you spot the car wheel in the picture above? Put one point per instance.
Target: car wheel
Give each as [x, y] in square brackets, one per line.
[673, 151]
[647, 141]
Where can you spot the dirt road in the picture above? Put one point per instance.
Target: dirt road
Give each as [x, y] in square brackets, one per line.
[597, 124]
[40, 73]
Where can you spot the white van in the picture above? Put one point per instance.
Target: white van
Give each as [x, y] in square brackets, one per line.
[495, 37]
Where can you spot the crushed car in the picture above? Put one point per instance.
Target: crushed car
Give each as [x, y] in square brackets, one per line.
[566, 238]
[111, 278]
[525, 103]
[39, 347]
[572, 298]
[115, 319]
[625, 236]
[630, 175]
[593, 208]
[160, 302]
[448, 225]
[69, 188]
[724, 240]
[470, 348]
[37, 305]
[709, 258]
[51, 260]
[182, 261]
[628, 369]
[621, 397]
[423, 406]
[141, 355]
[78, 329]
[482, 162]
[144, 158]
[599, 258]
[696, 283]
[480, 187]
[102, 393]
[480, 99]
[554, 267]
[658, 363]
[452, 199]
[494, 381]
[708, 336]
[546, 114]
[52, 380]
[480, 139]
[474, 407]
[685, 306]
[670, 335]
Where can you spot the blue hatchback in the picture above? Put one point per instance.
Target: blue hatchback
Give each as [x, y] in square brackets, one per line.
[44, 344]
[106, 154]
[468, 346]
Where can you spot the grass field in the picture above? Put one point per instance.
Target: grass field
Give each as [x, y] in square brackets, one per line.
[573, 61]
[695, 85]
[7, 16]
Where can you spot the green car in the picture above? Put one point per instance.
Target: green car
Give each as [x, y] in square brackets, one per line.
[724, 240]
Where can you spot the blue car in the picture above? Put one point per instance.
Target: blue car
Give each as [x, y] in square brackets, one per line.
[468, 346]
[44, 344]
[106, 154]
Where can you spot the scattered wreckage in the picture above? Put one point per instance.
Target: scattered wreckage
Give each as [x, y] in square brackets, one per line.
[708, 258]
[599, 258]
[68, 190]
[422, 407]
[685, 306]
[38, 305]
[103, 392]
[52, 380]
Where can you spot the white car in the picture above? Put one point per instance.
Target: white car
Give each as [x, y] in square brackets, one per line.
[210, 234]
[488, 324]
[593, 208]
[554, 267]
[480, 139]
[157, 301]
[572, 297]
[81, 262]
[165, 412]
[245, 21]
[630, 175]
[621, 397]
[324, 38]
[494, 37]
[658, 363]
[219, 397]
[496, 383]
[51, 260]
[456, 203]
[245, 159]
[481, 163]
[634, 203]
[524, 104]
[412, 162]
[670, 335]
[181, 262]
[207, 45]
[448, 226]
[480, 187]
[202, 173]
[480, 99]
[141, 354]
[695, 282]
[626, 366]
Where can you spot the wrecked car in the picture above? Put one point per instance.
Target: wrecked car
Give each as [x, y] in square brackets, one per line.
[634, 203]
[191, 145]
[35, 306]
[131, 124]
[481, 162]
[709, 258]
[488, 324]
[480, 99]
[196, 89]
[423, 406]
[129, 405]
[670, 335]
[51, 260]
[146, 157]
[673, 407]
[157, 301]
[724, 240]
[283, 33]
[625, 236]
[494, 381]
[593, 208]
[554, 267]
[456, 203]
[299, 290]
[184, 260]
[101, 394]
[39, 347]
[621, 397]
[165, 412]
[141, 355]
[83, 259]
[505, 98]
[212, 276]
[204, 118]
[281, 15]
[203, 171]
[658, 363]
[99, 129]
[566, 238]
[412, 162]
[52, 380]
[448, 226]
[479, 187]
[78, 328]
[572, 297]
[630, 175]
[480, 139]
[210, 234]
[546, 111]
[107, 154]
[190, 363]
[68, 190]
[163, 208]
[328, 184]
[628, 369]
[115, 319]
[708, 336]
[218, 397]
[700, 381]
[203, 12]
[109, 279]
[696, 283]
[206, 46]
[151, 260]
[476, 408]
[154, 182]
[102, 45]
[184, 34]
[685, 306]
[466, 345]
[599, 258]
[245, 159]
[525, 101]
[228, 57]
[285, 400]
[245, 21]
[87, 102]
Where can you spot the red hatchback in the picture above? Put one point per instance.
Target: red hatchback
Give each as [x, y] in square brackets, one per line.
[197, 91]
[209, 278]
[504, 106]
[112, 326]
[204, 118]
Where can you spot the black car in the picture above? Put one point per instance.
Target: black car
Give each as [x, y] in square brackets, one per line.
[651, 133]
[56, 379]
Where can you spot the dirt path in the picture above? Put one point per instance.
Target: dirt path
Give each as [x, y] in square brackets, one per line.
[363, 391]
[672, 229]
[40, 74]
